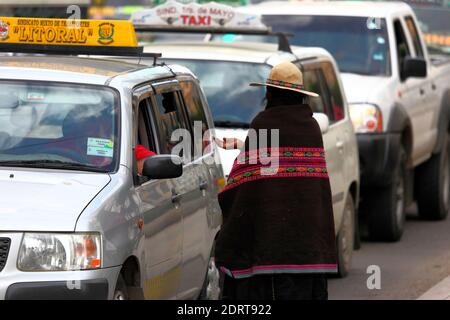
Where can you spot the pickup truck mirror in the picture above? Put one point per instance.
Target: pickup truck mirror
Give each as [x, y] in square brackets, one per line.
[163, 167]
[322, 120]
[413, 67]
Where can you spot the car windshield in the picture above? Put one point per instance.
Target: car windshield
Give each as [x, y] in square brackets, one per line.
[226, 84]
[359, 44]
[57, 126]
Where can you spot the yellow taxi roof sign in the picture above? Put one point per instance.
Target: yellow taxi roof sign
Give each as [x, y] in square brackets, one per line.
[101, 33]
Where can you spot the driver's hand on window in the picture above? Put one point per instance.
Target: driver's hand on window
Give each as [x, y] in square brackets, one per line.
[229, 143]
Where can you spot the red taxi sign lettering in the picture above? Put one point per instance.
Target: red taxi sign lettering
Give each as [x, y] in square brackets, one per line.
[192, 15]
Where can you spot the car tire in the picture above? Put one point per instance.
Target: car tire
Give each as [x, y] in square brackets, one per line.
[386, 218]
[433, 185]
[345, 238]
[120, 292]
[213, 283]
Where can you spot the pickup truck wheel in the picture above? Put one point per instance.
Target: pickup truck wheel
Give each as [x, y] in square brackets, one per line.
[433, 185]
[387, 208]
[345, 238]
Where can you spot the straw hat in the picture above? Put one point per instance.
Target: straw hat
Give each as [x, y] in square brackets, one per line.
[286, 76]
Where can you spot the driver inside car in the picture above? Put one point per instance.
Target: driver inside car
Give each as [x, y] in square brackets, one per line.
[81, 124]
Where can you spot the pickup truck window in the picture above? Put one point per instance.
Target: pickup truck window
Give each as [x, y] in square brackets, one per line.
[314, 82]
[434, 22]
[414, 35]
[401, 44]
[337, 103]
[58, 126]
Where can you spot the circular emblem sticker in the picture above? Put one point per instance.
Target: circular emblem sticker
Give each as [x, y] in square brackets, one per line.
[4, 30]
[106, 33]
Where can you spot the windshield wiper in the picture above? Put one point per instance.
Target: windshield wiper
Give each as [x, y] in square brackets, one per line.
[232, 124]
[50, 164]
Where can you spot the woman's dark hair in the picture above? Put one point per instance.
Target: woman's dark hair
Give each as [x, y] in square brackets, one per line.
[276, 96]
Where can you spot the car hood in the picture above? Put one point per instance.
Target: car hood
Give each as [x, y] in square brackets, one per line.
[360, 88]
[227, 157]
[49, 200]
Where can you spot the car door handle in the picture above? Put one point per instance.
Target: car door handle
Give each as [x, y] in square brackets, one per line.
[433, 86]
[340, 145]
[176, 197]
[422, 92]
[203, 185]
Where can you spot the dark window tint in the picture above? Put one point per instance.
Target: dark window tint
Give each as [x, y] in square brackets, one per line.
[337, 103]
[401, 44]
[169, 118]
[414, 35]
[314, 81]
[196, 114]
[144, 130]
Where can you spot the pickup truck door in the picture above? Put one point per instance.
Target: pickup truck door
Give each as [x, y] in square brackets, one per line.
[430, 98]
[411, 93]
[333, 139]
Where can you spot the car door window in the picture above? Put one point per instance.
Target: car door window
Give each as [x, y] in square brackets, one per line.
[314, 81]
[414, 35]
[401, 44]
[170, 117]
[337, 102]
[197, 117]
[145, 136]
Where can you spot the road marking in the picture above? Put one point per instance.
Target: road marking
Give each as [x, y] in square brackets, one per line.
[440, 291]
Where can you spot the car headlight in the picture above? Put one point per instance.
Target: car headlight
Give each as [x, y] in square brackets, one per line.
[366, 118]
[59, 252]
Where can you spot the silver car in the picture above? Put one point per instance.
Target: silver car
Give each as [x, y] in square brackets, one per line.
[76, 219]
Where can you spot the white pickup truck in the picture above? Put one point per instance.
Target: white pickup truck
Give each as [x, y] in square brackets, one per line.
[399, 98]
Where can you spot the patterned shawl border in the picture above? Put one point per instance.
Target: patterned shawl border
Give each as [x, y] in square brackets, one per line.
[275, 176]
[238, 170]
[297, 160]
[280, 150]
[275, 269]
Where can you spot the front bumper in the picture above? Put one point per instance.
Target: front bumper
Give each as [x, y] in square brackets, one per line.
[72, 285]
[378, 155]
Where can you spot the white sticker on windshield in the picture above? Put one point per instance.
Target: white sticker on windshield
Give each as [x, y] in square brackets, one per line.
[100, 147]
[378, 56]
[35, 96]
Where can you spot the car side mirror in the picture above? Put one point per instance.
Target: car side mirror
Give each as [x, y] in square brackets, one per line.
[322, 120]
[163, 167]
[413, 67]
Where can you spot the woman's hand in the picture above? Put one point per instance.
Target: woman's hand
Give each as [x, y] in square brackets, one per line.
[229, 143]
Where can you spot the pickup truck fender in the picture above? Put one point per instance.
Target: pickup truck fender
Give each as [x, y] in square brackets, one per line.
[443, 121]
[399, 122]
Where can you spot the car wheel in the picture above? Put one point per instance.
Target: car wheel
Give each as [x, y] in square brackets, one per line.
[386, 218]
[120, 292]
[433, 185]
[212, 286]
[345, 238]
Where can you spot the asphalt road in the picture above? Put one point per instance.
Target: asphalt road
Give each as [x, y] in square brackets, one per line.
[408, 268]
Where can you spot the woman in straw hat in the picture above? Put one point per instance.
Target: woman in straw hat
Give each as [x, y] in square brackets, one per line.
[277, 240]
